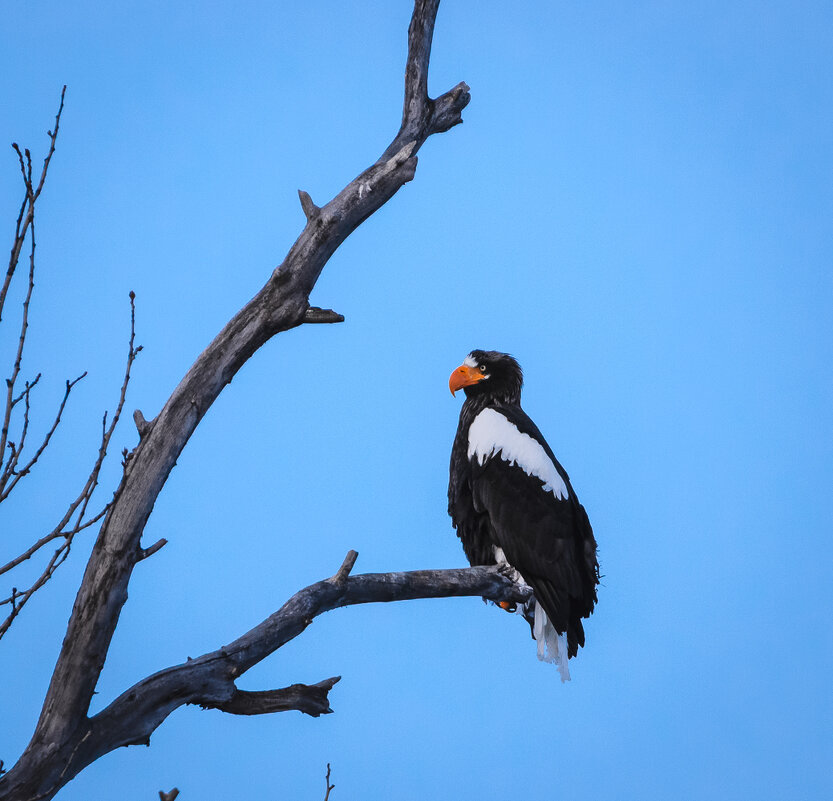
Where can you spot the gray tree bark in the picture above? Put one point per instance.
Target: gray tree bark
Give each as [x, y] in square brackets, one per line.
[66, 740]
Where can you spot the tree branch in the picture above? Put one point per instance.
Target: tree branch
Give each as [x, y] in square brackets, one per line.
[11, 466]
[311, 699]
[67, 528]
[330, 787]
[315, 315]
[209, 680]
[27, 209]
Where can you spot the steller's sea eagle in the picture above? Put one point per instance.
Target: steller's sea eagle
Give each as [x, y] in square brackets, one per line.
[512, 502]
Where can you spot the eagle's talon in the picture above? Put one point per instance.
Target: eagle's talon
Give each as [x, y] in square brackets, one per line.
[505, 569]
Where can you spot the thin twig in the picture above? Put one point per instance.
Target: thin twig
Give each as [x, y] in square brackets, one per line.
[25, 226]
[327, 784]
[25, 218]
[24, 325]
[67, 528]
[19, 600]
[11, 468]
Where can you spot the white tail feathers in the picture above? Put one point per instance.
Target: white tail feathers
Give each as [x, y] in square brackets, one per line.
[552, 646]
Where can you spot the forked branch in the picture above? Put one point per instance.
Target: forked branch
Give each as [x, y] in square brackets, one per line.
[210, 680]
[75, 519]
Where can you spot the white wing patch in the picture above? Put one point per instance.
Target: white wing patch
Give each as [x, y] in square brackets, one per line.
[491, 434]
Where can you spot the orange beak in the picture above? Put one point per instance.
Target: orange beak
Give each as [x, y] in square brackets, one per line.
[464, 376]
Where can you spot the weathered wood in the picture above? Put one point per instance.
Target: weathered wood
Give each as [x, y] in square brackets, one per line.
[317, 315]
[209, 680]
[65, 739]
[311, 699]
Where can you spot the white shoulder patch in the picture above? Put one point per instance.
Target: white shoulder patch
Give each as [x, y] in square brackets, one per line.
[491, 434]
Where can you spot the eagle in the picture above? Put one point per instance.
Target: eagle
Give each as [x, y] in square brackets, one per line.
[512, 504]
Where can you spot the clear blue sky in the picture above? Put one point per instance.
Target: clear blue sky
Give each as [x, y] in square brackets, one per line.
[638, 206]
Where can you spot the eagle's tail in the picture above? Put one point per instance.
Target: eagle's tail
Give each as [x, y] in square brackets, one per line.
[552, 646]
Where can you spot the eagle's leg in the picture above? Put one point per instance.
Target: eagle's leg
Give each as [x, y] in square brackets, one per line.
[507, 570]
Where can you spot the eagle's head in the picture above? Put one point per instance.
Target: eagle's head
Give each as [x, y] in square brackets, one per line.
[489, 372]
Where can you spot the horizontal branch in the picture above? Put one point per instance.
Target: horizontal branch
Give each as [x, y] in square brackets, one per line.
[311, 699]
[209, 680]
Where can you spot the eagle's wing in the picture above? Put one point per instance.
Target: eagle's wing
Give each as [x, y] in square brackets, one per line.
[534, 515]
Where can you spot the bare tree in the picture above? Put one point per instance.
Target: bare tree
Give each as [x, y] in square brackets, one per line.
[66, 738]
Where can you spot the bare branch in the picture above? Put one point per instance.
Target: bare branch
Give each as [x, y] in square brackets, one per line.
[315, 315]
[327, 783]
[311, 699]
[67, 528]
[25, 226]
[10, 468]
[209, 680]
[19, 600]
[47, 538]
[27, 210]
[24, 326]
[144, 553]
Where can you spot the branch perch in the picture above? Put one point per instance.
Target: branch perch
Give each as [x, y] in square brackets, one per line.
[209, 680]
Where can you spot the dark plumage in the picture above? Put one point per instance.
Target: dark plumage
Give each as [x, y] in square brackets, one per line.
[510, 500]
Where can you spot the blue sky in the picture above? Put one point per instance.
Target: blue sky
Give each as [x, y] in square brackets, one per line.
[638, 207]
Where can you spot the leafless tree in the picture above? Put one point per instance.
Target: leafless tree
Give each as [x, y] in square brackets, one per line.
[66, 739]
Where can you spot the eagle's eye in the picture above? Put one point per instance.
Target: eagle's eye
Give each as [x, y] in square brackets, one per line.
[482, 368]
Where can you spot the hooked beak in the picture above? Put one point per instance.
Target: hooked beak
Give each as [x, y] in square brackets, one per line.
[464, 376]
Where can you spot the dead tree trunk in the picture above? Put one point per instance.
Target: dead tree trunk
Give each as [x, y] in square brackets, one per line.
[65, 739]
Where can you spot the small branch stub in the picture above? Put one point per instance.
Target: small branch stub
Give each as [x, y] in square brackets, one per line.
[314, 314]
[142, 425]
[311, 699]
[144, 553]
[311, 211]
[346, 566]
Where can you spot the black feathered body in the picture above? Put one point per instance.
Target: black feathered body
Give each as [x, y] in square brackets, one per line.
[510, 500]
